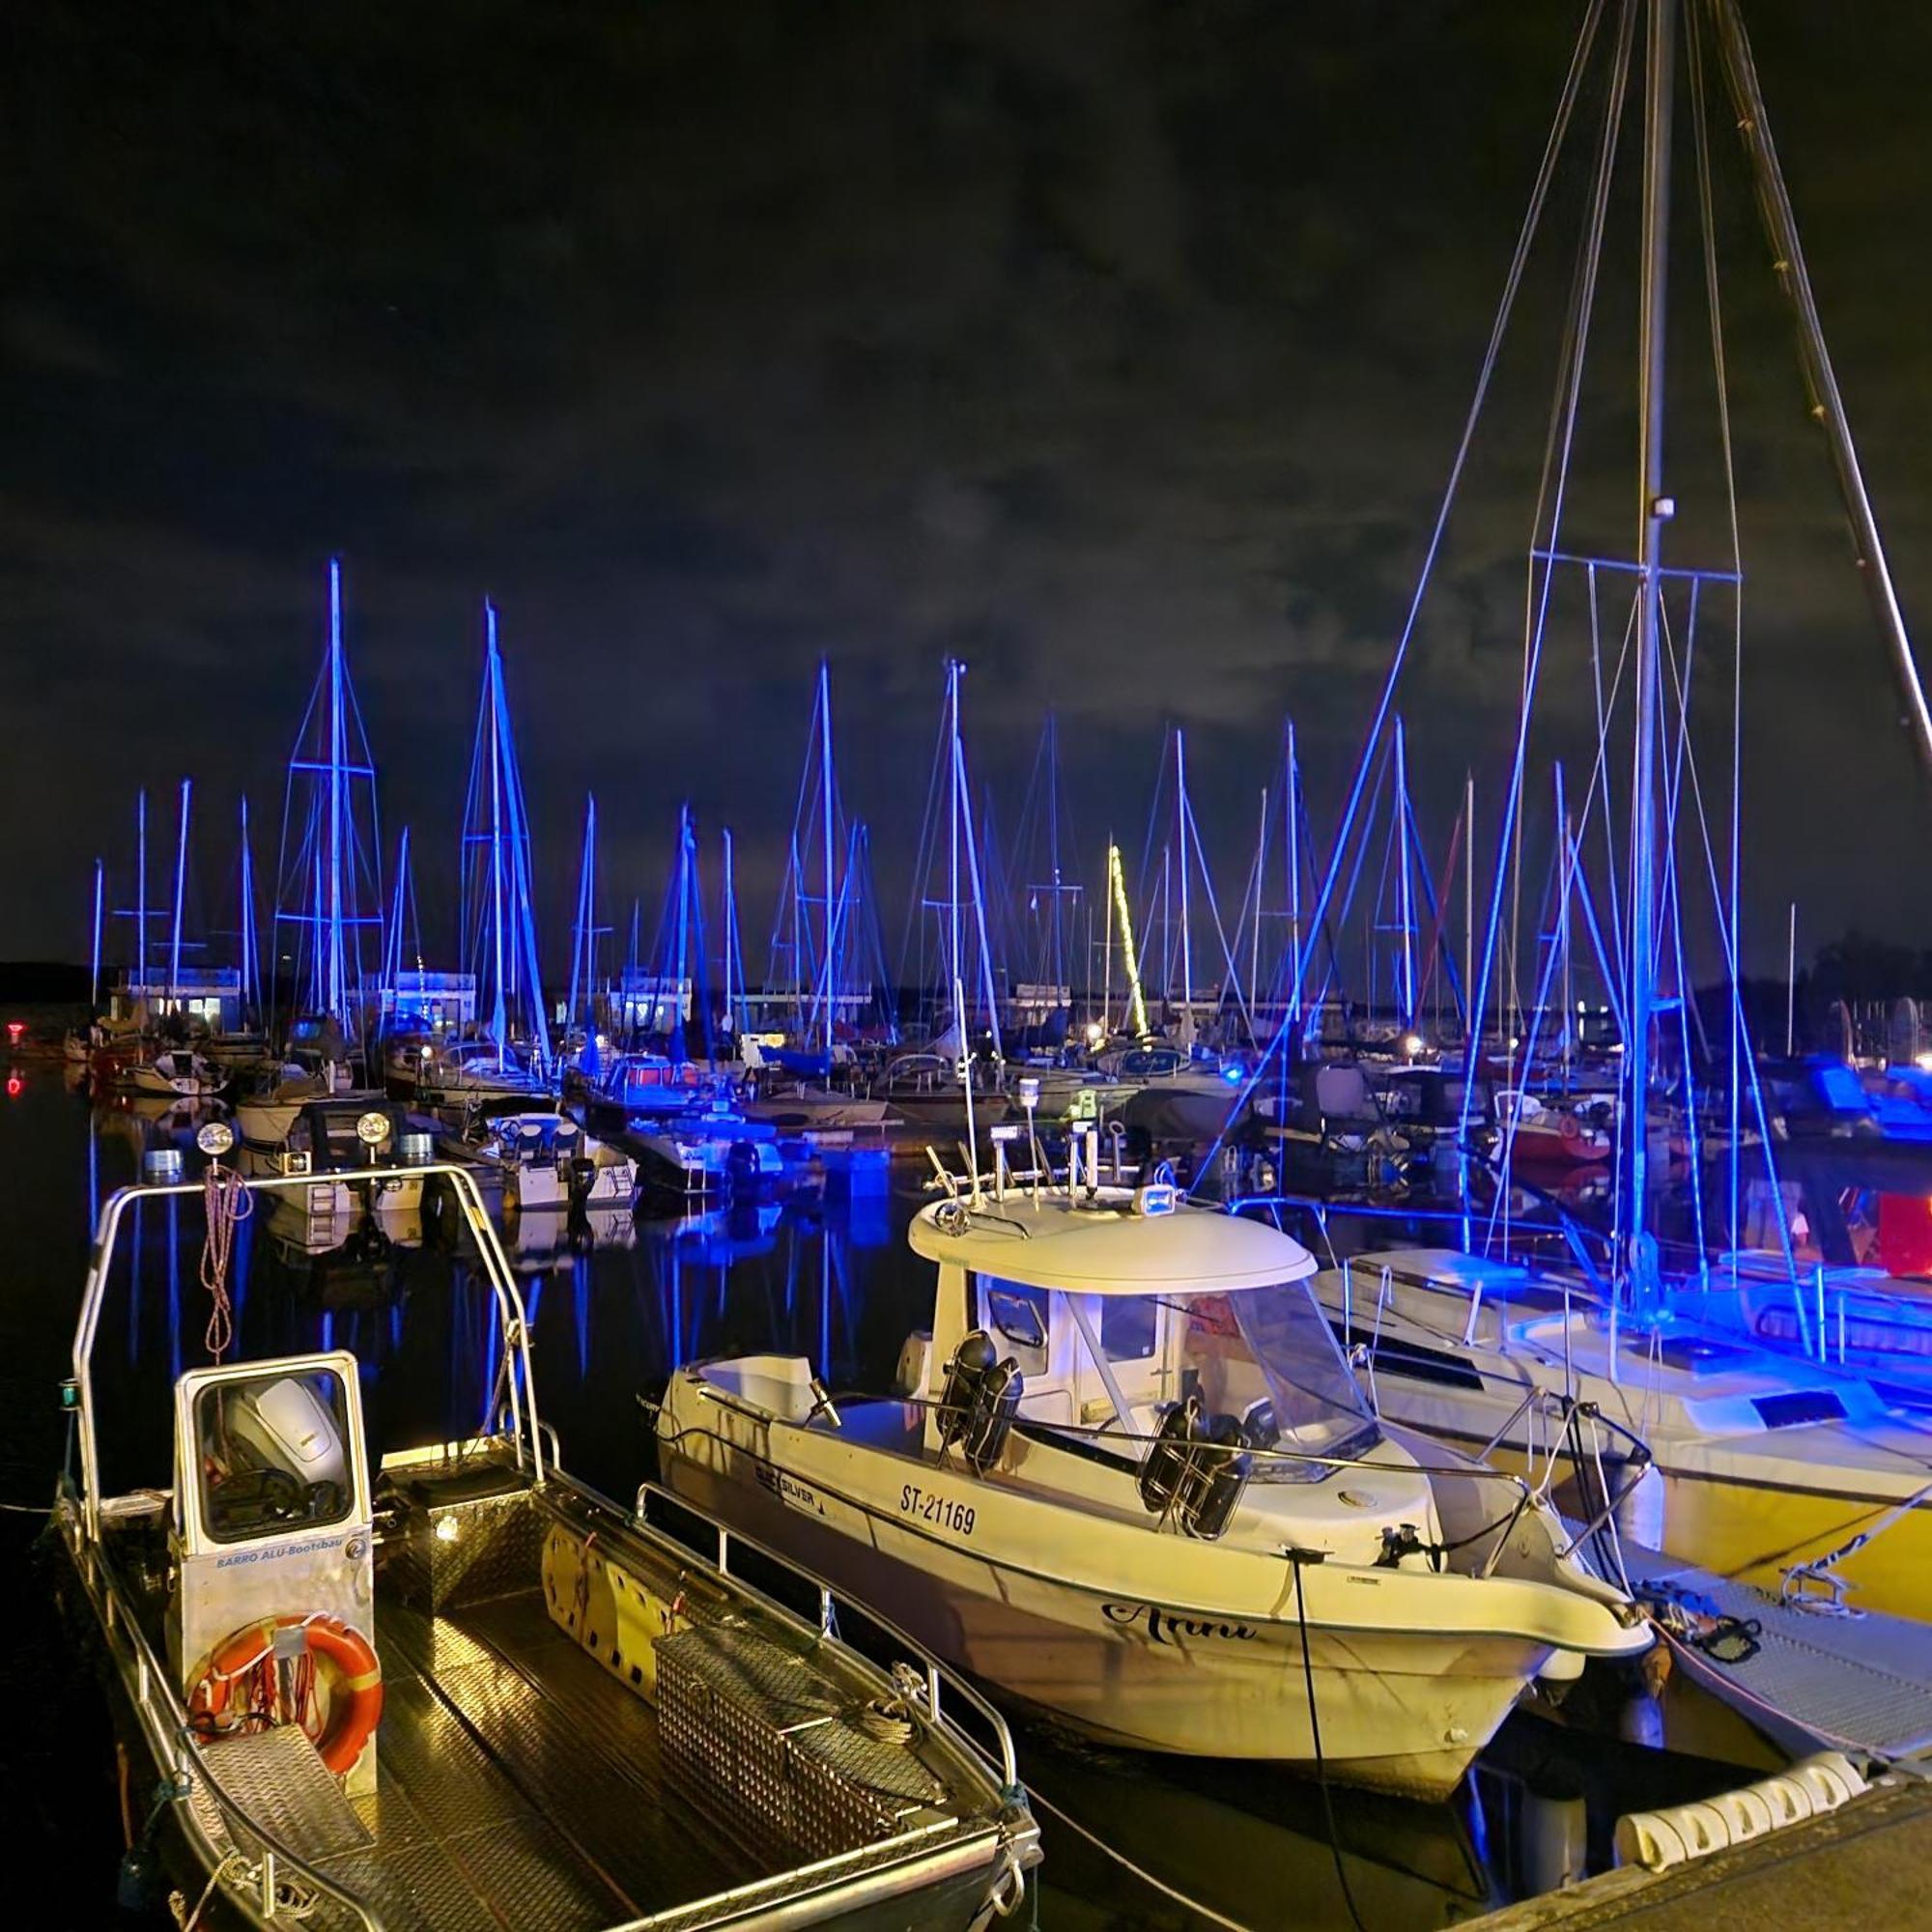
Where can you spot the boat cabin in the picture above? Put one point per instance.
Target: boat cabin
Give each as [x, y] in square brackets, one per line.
[1119, 1308]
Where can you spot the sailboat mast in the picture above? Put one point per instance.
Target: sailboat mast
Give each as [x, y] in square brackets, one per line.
[249, 964]
[499, 1018]
[180, 884]
[582, 951]
[1290, 798]
[1186, 938]
[141, 893]
[825, 796]
[1654, 509]
[953, 974]
[1405, 884]
[1261, 893]
[336, 1002]
[731, 929]
[1827, 405]
[100, 906]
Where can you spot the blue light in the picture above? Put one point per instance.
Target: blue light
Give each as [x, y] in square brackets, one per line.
[1232, 1075]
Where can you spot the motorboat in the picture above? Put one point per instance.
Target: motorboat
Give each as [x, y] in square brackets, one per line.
[180, 1074]
[1543, 1130]
[545, 1162]
[1765, 1466]
[459, 1074]
[452, 1686]
[1128, 1478]
[322, 1138]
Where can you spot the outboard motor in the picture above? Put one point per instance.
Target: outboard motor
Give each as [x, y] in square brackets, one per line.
[979, 1399]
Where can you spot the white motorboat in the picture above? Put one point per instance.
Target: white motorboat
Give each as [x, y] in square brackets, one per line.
[1131, 1481]
[461, 1073]
[546, 1162]
[538, 1707]
[178, 1074]
[1768, 1467]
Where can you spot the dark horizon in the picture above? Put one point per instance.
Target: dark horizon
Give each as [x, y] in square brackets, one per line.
[1119, 352]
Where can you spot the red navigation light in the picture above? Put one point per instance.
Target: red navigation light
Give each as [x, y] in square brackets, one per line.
[14, 1086]
[14, 1029]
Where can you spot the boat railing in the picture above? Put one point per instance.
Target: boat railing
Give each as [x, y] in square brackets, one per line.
[1514, 1493]
[937, 1675]
[526, 1435]
[278, 1869]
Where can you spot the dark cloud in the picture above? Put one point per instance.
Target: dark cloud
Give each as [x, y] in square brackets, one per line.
[1120, 348]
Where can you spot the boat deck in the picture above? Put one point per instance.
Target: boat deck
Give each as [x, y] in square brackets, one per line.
[513, 1788]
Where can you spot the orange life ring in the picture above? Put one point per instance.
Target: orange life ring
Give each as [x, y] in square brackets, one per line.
[355, 1707]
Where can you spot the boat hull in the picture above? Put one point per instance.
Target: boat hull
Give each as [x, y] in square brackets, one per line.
[1402, 1712]
[1754, 1532]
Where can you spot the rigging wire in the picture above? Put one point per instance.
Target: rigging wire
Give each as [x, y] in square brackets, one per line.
[1500, 326]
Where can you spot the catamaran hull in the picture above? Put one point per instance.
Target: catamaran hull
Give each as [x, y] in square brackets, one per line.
[1399, 1713]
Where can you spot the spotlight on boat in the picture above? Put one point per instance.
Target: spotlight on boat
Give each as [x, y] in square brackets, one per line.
[214, 1138]
[1924, 1061]
[1095, 1032]
[373, 1129]
[1411, 1045]
[446, 1529]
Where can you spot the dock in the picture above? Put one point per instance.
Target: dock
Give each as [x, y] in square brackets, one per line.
[1854, 1683]
[1860, 1867]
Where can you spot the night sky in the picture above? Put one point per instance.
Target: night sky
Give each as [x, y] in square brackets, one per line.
[1120, 349]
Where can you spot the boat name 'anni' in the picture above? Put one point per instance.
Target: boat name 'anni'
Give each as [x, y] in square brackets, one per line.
[1168, 1625]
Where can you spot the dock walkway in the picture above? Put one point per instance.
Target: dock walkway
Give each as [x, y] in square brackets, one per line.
[1859, 1684]
[1860, 1867]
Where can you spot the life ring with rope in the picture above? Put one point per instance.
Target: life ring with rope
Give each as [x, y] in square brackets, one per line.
[355, 1705]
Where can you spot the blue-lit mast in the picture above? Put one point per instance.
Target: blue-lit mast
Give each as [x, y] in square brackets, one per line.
[498, 905]
[100, 909]
[584, 933]
[249, 961]
[826, 832]
[331, 866]
[181, 886]
[1653, 510]
[141, 893]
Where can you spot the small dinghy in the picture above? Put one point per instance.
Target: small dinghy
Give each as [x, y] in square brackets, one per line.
[451, 1687]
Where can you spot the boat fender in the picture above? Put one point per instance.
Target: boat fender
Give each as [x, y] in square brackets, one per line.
[354, 1708]
[1217, 1474]
[979, 1399]
[1660, 1839]
[1165, 1465]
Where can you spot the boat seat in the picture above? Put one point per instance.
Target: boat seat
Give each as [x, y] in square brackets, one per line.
[279, 1779]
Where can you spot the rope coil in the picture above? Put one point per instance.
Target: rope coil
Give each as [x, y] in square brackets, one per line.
[227, 1204]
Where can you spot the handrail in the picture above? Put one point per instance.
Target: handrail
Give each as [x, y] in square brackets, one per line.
[1101, 1432]
[829, 1595]
[496, 1270]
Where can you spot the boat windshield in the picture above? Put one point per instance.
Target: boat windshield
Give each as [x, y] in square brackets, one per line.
[1268, 1358]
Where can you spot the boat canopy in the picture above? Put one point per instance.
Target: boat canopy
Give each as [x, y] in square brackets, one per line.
[1103, 1246]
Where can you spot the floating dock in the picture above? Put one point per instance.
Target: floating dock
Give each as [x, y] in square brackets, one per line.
[1861, 1866]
